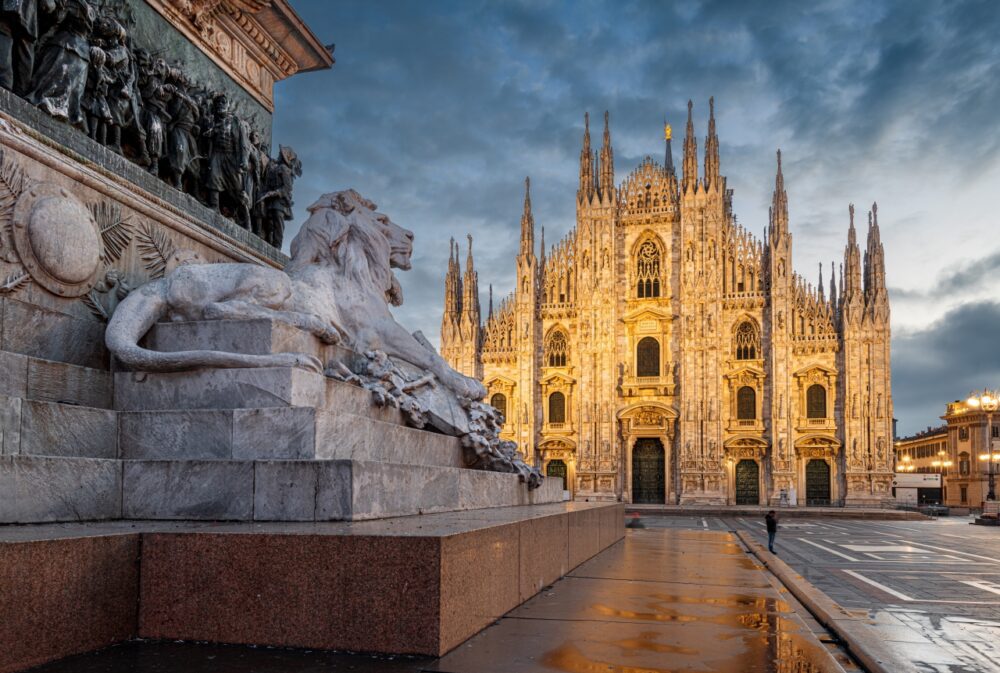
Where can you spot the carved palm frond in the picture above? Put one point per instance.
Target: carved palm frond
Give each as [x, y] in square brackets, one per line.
[92, 301]
[14, 282]
[155, 249]
[12, 183]
[116, 231]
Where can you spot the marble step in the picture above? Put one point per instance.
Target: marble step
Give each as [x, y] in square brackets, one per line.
[255, 388]
[283, 433]
[37, 489]
[33, 331]
[34, 428]
[252, 337]
[53, 381]
[335, 490]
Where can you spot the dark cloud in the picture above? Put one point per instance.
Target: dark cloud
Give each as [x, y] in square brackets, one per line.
[438, 110]
[944, 362]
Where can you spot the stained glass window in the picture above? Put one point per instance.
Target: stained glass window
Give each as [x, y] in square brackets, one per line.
[746, 341]
[557, 408]
[555, 350]
[648, 270]
[647, 357]
[499, 402]
[746, 404]
[816, 401]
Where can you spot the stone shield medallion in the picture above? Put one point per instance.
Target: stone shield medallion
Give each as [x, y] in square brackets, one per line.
[57, 239]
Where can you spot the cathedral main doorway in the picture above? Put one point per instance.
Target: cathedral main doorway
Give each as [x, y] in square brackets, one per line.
[747, 482]
[557, 470]
[817, 482]
[648, 471]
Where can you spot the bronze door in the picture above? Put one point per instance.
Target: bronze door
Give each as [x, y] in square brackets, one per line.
[747, 482]
[648, 472]
[557, 470]
[817, 482]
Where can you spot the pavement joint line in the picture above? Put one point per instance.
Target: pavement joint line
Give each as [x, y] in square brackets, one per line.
[955, 551]
[878, 585]
[827, 549]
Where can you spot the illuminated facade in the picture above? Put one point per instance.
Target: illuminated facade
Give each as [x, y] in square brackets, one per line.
[662, 353]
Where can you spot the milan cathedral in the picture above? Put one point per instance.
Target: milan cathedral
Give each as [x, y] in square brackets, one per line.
[661, 353]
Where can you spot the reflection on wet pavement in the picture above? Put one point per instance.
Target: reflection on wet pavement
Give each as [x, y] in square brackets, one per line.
[658, 602]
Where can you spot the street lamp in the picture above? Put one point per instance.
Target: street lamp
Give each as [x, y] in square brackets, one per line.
[988, 401]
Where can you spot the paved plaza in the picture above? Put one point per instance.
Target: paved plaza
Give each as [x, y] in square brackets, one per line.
[931, 588]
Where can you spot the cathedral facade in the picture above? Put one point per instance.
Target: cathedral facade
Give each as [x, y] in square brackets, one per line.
[660, 353]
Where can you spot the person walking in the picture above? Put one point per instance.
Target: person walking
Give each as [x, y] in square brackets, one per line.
[772, 528]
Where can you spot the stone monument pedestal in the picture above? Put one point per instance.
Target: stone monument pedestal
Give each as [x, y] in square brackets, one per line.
[409, 585]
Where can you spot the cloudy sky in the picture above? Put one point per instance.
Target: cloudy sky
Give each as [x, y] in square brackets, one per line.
[438, 110]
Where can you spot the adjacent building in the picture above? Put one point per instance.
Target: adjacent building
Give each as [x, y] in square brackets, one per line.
[660, 352]
[970, 430]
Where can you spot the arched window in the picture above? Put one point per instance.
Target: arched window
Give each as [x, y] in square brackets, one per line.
[816, 401]
[746, 404]
[499, 402]
[557, 408]
[648, 270]
[555, 349]
[647, 357]
[746, 341]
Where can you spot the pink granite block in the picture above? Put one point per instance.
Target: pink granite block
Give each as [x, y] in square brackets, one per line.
[584, 536]
[543, 552]
[479, 581]
[63, 597]
[369, 593]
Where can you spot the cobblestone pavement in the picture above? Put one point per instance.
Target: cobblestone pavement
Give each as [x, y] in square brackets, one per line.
[931, 588]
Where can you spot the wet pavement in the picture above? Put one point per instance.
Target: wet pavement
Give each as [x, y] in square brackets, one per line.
[930, 590]
[659, 601]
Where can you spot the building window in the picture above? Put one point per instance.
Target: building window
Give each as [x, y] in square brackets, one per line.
[648, 270]
[746, 341]
[555, 349]
[996, 432]
[964, 493]
[499, 402]
[816, 401]
[963, 434]
[647, 357]
[746, 404]
[964, 464]
[557, 408]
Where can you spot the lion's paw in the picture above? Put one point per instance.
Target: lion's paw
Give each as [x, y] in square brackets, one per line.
[301, 361]
[328, 334]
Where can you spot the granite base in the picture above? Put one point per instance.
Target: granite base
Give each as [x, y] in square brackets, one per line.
[409, 585]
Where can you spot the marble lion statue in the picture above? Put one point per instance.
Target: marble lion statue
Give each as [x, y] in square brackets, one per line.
[338, 286]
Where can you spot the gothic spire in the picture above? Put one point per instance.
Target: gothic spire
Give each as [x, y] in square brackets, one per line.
[690, 178]
[851, 276]
[470, 289]
[833, 286]
[711, 148]
[668, 158]
[490, 314]
[779, 205]
[586, 163]
[819, 285]
[874, 255]
[527, 222]
[607, 166]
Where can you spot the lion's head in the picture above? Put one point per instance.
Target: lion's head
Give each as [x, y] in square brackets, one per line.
[345, 230]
